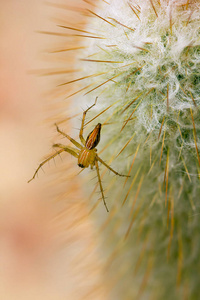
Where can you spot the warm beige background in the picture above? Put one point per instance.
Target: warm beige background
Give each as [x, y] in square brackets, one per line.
[31, 267]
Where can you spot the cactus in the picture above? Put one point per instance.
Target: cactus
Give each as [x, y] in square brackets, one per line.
[142, 58]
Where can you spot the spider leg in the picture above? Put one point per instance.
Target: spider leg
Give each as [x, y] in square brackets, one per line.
[100, 184]
[107, 166]
[68, 137]
[71, 150]
[44, 162]
[83, 121]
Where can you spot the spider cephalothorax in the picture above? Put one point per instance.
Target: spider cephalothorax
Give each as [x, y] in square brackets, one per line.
[86, 153]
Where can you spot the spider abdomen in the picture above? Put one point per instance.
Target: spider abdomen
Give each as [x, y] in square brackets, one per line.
[86, 158]
[93, 138]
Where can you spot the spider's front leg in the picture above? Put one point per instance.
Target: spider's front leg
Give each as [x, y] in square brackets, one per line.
[72, 151]
[83, 121]
[100, 184]
[44, 162]
[108, 167]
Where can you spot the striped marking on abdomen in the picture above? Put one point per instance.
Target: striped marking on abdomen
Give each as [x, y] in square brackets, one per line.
[93, 138]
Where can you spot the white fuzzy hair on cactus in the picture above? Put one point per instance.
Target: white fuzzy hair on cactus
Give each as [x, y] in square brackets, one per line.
[142, 60]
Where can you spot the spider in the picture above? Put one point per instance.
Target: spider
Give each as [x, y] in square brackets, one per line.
[86, 153]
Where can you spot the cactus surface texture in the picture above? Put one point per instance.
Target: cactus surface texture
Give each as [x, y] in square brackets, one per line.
[142, 60]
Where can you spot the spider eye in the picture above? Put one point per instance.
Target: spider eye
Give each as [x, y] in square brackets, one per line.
[93, 138]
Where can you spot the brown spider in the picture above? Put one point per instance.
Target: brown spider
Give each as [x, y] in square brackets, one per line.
[86, 154]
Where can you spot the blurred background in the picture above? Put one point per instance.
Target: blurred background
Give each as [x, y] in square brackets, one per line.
[48, 249]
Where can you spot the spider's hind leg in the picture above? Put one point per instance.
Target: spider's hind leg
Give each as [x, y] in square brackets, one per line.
[68, 137]
[83, 121]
